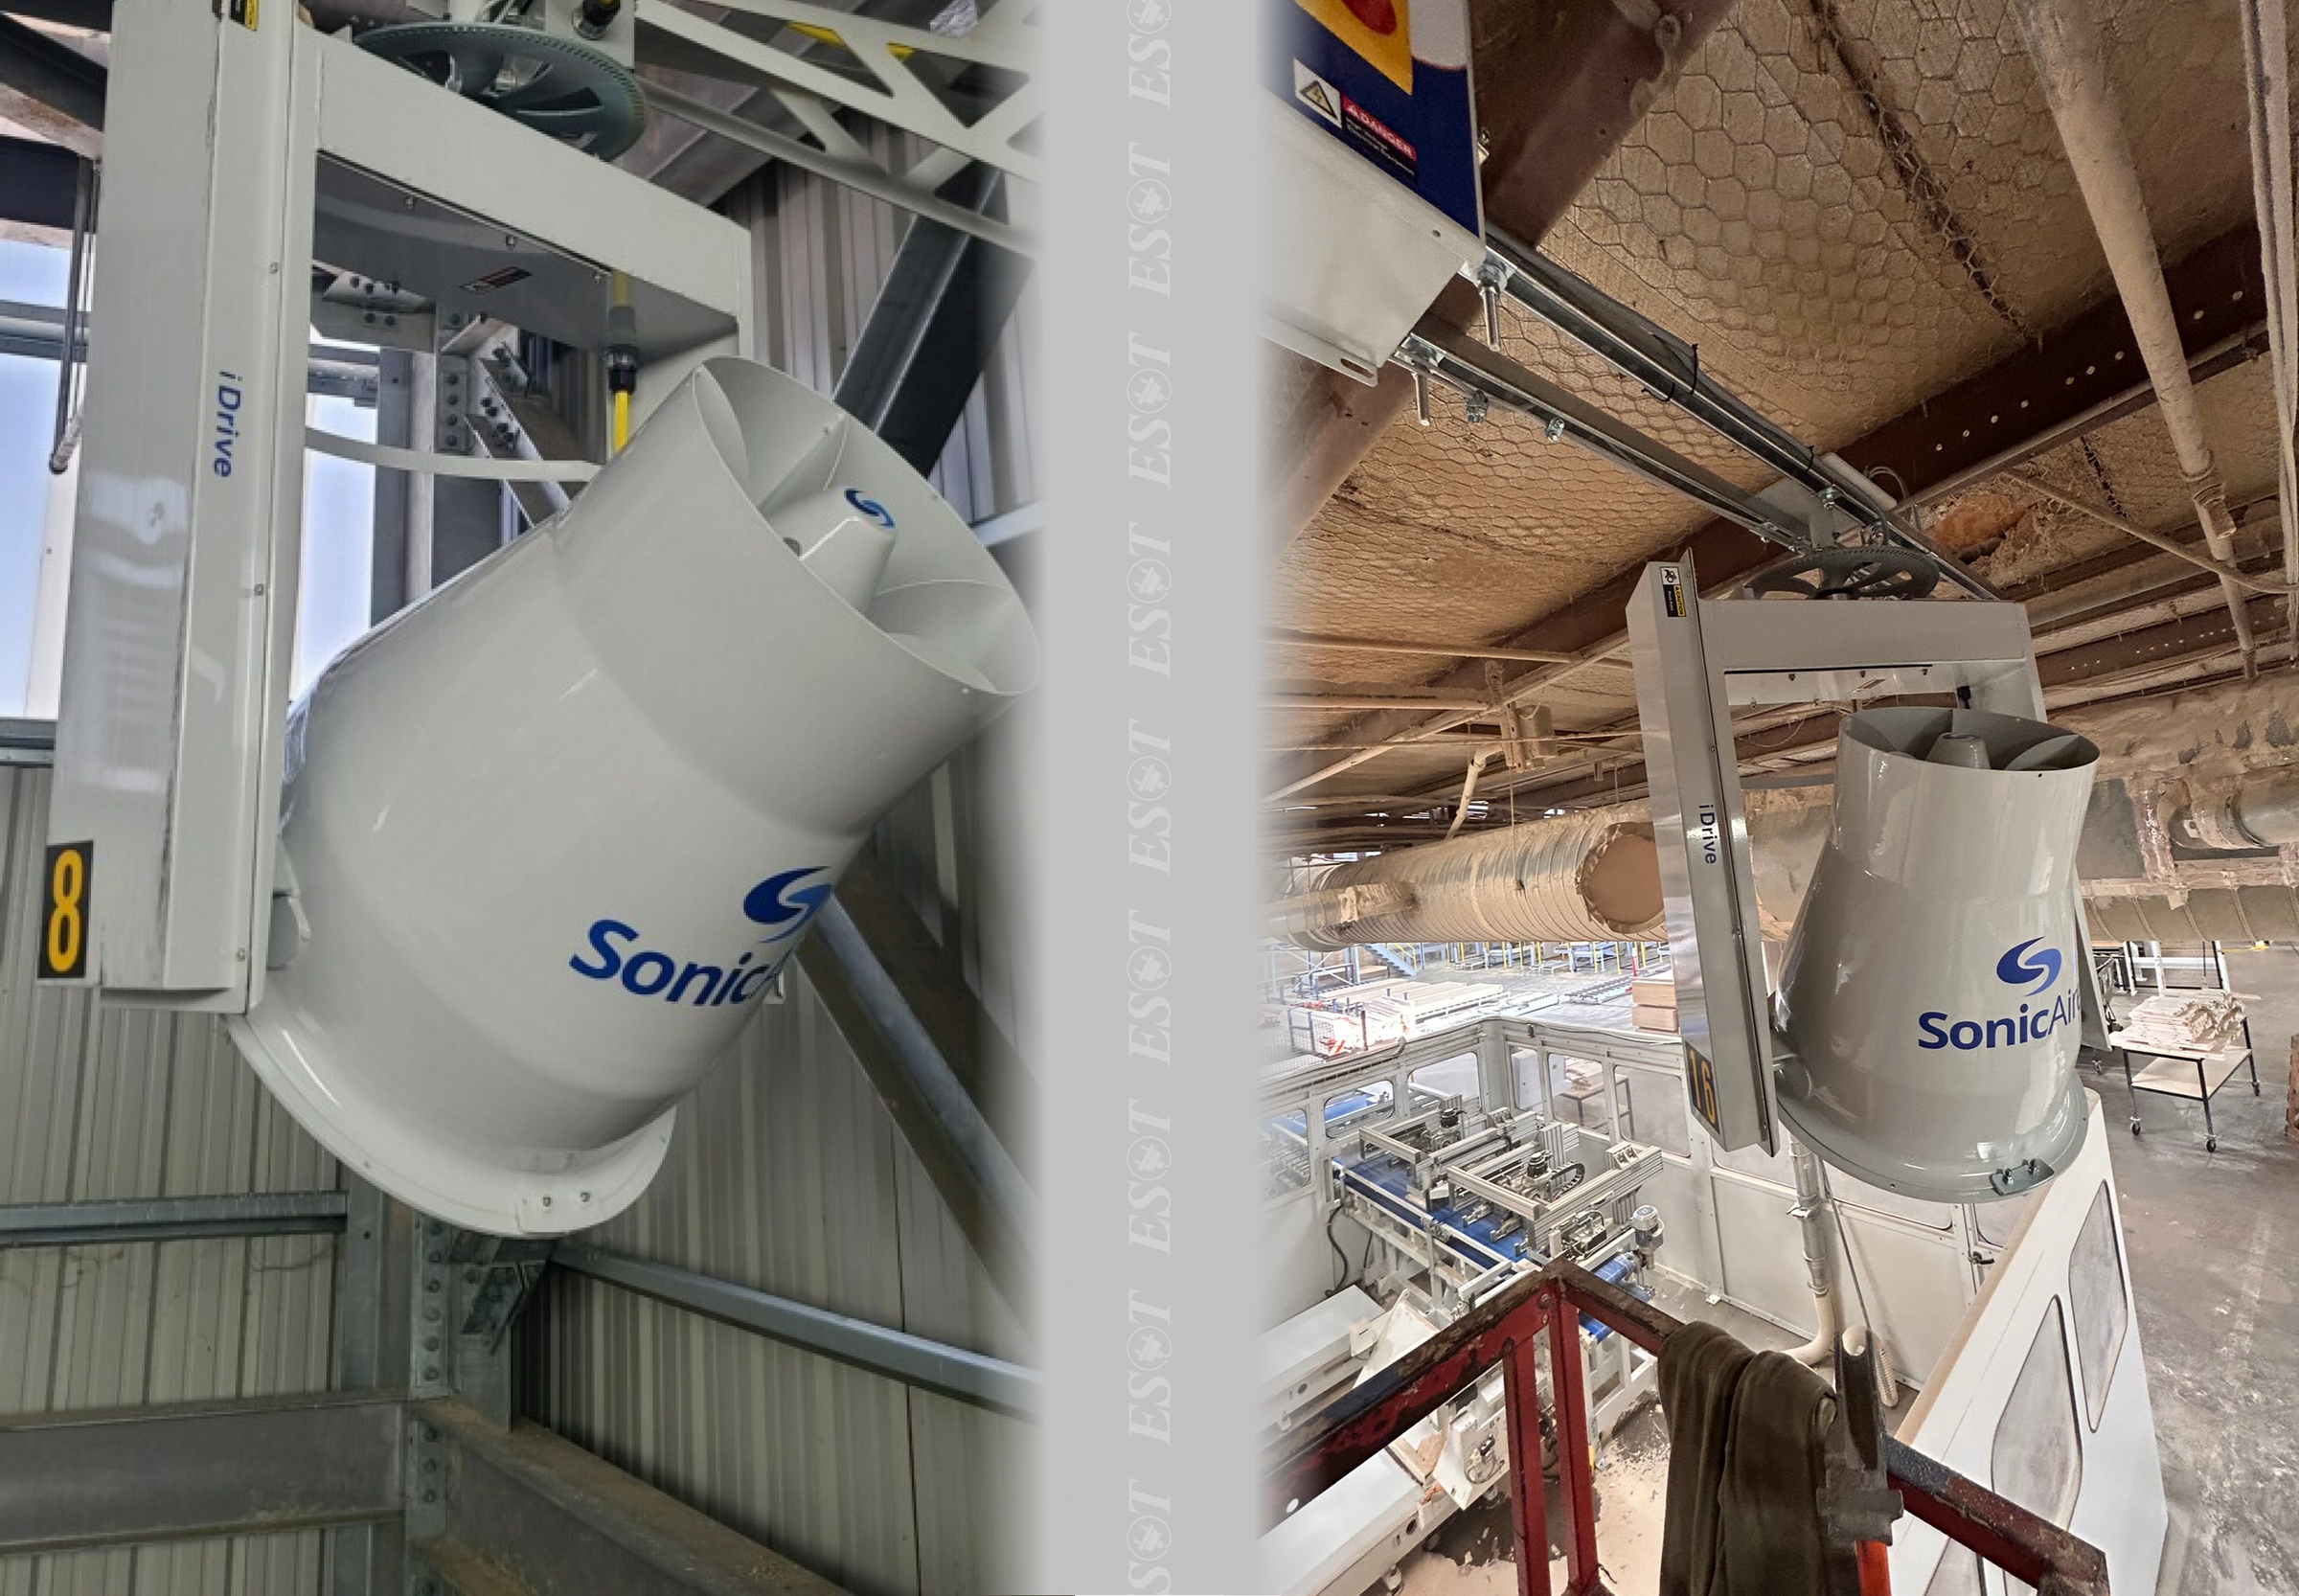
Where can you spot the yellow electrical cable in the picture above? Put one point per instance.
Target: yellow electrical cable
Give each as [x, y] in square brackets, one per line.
[622, 420]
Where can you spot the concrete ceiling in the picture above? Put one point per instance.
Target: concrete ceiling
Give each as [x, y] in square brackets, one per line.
[1851, 207]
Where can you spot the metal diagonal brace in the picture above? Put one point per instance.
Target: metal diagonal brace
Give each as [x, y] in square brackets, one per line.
[955, 1372]
[969, 1167]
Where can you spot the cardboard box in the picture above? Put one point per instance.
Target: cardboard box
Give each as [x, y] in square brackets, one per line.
[1653, 993]
[1648, 1018]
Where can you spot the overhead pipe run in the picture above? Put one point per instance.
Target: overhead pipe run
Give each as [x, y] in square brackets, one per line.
[1587, 878]
[2064, 39]
[2268, 86]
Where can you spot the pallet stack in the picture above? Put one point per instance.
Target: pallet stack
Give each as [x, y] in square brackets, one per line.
[1655, 1001]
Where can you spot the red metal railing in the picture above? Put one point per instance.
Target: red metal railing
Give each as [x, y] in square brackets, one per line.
[1505, 1330]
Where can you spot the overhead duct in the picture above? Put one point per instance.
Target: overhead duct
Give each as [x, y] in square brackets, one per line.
[549, 835]
[1591, 877]
[2261, 810]
[1928, 1006]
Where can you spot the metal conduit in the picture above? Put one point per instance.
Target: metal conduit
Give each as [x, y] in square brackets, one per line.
[1590, 877]
[2064, 39]
[1669, 370]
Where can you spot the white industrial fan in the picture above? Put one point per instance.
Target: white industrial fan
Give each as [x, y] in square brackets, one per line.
[551, 835]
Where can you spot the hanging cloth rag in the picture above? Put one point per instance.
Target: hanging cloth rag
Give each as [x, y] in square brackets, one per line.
[1747, 1444]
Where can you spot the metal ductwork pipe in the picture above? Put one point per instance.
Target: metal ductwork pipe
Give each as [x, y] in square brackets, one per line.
[2064, 41]
[1593, 878]
[2262, 810]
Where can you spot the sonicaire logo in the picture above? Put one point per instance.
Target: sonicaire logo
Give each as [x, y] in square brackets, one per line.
[2018, 965]
[784, 903]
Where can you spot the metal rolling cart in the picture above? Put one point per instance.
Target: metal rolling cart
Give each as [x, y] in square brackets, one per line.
[2167, 1075]
[2194, 1073]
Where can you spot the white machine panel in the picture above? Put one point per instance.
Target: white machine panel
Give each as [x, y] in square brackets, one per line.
[181, 608]
[1707, 883]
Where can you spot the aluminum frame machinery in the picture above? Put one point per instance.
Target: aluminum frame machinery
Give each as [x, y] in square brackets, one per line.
[1461, 1196]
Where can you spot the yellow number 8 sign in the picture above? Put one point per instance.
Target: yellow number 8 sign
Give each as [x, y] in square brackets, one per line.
[64, 924]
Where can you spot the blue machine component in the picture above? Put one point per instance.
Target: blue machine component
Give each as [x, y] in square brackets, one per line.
[1385, 1182]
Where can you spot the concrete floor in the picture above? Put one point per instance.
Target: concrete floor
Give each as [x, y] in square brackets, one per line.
[2213, 1240]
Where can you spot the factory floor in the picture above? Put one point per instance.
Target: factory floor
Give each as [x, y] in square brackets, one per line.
[2213, 1240]
[2214, 1248]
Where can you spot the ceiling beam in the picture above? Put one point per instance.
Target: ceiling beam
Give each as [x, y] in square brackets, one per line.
[51, 88]
[1369, 645]
[2214, 289]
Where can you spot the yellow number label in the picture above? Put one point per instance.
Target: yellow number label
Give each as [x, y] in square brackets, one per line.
[64, 940]
[1701, 1077]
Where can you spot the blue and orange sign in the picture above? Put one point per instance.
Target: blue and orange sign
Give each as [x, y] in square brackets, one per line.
[1352, 67]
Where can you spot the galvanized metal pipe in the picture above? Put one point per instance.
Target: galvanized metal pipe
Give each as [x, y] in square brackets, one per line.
[2064, 39]
[2260, 810]
[996, 1179]
[969, 1376]
[1584, 877]
[66, 1224]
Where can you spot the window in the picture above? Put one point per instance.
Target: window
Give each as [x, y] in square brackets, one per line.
[1530, 1093]
[2036, 1459]
[2095, 1303]
[1958, 1573]
[1651, 1103]
[33, 274]
[1366, 1105]
[1454, 1076]
[339, 498]
[1285, 1152]
[1577, 1091]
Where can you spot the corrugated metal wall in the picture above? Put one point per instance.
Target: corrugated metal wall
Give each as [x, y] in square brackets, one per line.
[125, 1104]
[787, 1173]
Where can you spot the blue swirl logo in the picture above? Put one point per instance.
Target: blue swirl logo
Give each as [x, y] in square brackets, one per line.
[780, 901]
[2018, 965]
[872, 508]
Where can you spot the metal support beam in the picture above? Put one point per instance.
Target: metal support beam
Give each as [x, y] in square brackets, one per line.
[171, 1474]
[932, 983]
[49, 86]
[39, 183]
[968, 1377]
[371, 1354]
[66, 1224]
[931, 1107]
[523, 1510]
[1462, 363]
[1370, 646]
[932, 328]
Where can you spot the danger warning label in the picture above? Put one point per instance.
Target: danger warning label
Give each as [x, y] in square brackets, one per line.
[1378, 136]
